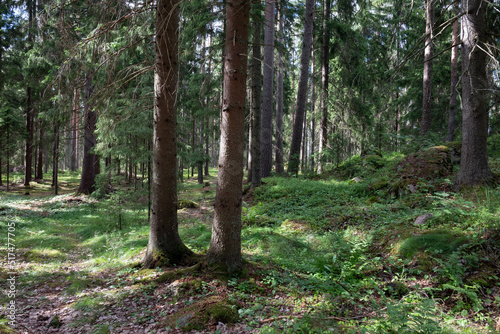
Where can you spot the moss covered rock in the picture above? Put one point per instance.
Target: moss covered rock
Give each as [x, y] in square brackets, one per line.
[427, 164]
[205, 313]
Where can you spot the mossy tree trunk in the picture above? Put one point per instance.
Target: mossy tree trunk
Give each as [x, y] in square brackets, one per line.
[165, 245]
[225, 245]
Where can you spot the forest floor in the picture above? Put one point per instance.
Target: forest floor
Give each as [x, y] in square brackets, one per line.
[341, 253]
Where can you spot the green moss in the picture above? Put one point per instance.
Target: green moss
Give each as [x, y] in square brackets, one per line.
[55, 322]
[372, 199]
[203, 313]
[187, 204]
[379, 184]
[437, 243]
[173, 275]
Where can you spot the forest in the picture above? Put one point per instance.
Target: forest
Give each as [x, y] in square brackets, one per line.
[238, 166]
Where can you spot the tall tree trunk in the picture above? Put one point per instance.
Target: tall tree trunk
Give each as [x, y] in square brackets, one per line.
[280, 166]
[325, 58]
[29, 141]
[267, 92]
[30, 109]
[474, 168]
[293, 165]
[428, 54]
[39, 169]
[225, 245]
[73, 159]
[55, 159]
[313, 111]
[200, 161]
[207, 146]
[87, 181]
[303, 151]
[256, 102]
[165, 245]
[454, 77]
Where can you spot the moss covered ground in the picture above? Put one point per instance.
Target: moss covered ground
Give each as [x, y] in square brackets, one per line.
[333, 253]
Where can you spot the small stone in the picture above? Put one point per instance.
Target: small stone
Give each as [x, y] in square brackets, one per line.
[421, 220]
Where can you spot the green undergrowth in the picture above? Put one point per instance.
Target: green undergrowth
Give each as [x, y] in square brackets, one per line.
[331, 254]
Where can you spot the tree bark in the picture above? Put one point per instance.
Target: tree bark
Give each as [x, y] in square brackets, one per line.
[200, 161]
[293, 165]
[267, 92]
[87, 181]
[428, 54]
[225, 245]
[73, 159]
[39, 166]
[255, 162]
[325, 58]
[280, 166]
[474, 168]
[165, 245]
[55, 159]
[30, 109]
[313, 111]
[454, 78]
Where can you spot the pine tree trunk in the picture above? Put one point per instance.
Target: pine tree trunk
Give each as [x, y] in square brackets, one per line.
[225, 245]
[30, 109]
[39, 169]
[454, 78]
[207, 146]
[303, 151]
[255, 166]
[165, 245]
[87, 182]
[474, 168]
[325, 58]
[313, 111]
[55, 159]
[29, 141]
[280, 167]
[293, 165]
[267, 92]
[428, 54]
[73, 158]
[200, 161]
